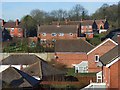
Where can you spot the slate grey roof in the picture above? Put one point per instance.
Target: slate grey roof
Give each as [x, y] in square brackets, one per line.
[74, 45]
[110, 55]
[17, 59]
[16, 78]
[42, 68]
[55, 29]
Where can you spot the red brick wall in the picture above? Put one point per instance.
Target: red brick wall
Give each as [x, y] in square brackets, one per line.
[112, 75]
[86, 29]
[89, 35]
[99, 51]
[16, 32]
[50, 37]
[100, 24]
[71, 58]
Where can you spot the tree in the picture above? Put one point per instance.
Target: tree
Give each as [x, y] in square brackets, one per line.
[28, 24]
[59, 15]
[38, 16]
[77, 12]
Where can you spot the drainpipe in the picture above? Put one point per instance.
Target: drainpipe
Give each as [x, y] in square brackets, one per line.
[109, 77]
[102, 74]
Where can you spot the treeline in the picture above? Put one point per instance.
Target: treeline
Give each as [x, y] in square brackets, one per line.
[78, 12]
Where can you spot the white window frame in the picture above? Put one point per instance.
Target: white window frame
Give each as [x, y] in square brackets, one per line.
[12, 29]
[97, 58]
[19, 35]
[53, 34]
[19, 29]
[71, 34]
[44, 34]
[90, 26]
[82, 27]
[61, 34]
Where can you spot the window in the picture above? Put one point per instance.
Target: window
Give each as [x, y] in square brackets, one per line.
[71, 34]
[19, 35]
[12, 29]
[96, 58]
[82, 27]
[61, 34]
[90, 26]
[19, 30]
[54, 34]
[44, 34]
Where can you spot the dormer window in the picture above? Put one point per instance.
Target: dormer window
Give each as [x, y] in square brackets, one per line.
[96, 58]
[53, 34]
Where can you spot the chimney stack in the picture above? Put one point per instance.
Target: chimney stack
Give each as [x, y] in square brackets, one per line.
[58, 24]
[2, 23]
[17, 22]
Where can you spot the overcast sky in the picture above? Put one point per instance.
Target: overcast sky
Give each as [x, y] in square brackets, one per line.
[13, 10]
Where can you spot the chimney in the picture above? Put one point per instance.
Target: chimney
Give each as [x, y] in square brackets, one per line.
[17, 22]
[58, 24]
[66, 21]
[38, 29]
[2, 23]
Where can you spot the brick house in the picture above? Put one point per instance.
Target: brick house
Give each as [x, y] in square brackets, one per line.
[55, 32]
[88, 27]
[94, 54]
[15, 28]
[71, 52]
[111, 65]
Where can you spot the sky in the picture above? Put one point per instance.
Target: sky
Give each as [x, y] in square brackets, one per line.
[16, 10]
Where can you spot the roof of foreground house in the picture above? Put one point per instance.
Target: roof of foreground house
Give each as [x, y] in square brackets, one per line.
[17, 59]
[75, 45]
[16, 78]
[110, 56]
[42, 68]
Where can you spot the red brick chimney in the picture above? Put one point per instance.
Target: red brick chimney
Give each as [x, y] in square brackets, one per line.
[2, 23]
[17, 22]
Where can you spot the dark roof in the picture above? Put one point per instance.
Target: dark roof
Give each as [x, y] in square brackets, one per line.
[42, 68]
[60, 29]
[17, 59]
[12, 25]
[74, 45]
[16, 78]
[110, 55]
[84, 22]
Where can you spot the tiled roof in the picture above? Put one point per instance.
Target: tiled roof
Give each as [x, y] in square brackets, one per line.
[17, 78]
[42, 68]
[84, 22]
[23, 59]
[56, 29]
[12, 25]
[78, 45]
[111, 55]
